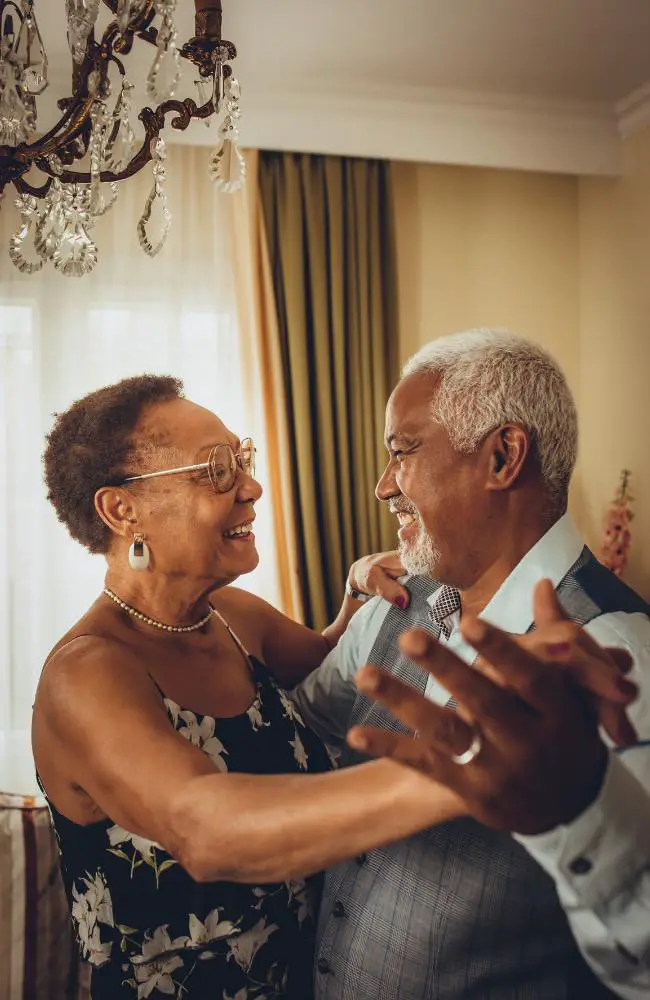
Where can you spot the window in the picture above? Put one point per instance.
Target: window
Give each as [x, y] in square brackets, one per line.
[60, 338]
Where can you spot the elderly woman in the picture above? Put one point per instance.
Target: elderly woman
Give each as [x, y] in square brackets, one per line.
[189, 799]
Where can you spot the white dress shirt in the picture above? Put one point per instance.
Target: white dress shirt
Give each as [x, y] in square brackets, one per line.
[600, 862]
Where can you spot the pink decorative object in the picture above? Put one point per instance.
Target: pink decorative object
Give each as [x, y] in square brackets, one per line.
[615, 546]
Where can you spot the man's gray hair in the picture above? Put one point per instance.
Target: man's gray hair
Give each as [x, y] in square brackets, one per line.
[488, 378]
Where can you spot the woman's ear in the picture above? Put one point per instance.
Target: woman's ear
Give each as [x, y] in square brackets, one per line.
[117, 510]
[509, 448]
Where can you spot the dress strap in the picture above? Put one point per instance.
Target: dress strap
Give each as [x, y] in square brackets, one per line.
[233, 635]
[157, 686]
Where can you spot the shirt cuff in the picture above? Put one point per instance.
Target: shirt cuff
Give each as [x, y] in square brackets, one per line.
[603, 854]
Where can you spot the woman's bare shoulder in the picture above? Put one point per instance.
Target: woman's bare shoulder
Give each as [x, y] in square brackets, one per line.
[238, 598]
[97, 633]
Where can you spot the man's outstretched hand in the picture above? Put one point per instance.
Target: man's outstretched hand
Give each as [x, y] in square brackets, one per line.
[537, 703]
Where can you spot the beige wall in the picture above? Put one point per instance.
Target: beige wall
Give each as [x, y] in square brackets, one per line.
[560, 260]
[615, 346]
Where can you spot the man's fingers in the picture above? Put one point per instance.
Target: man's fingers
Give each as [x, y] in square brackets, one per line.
[406, 750]
[614, 720]
[599, 673]
[599, 670]
[441, 727]
[484, 699]
[617, 661]
[534, 681]
[623, 660]
[546, 605]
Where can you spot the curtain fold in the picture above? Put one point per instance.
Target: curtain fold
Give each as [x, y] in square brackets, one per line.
[260, 346]
[330, 238]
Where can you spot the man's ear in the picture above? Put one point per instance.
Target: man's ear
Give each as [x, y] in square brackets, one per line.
[509, 447]
[117, 509]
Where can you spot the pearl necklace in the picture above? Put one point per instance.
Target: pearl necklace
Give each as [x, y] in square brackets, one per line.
[152, 621]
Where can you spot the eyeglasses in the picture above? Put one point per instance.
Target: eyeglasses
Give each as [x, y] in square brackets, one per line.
[222, 466]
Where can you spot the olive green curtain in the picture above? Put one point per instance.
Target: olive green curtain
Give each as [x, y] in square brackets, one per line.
[331, 245]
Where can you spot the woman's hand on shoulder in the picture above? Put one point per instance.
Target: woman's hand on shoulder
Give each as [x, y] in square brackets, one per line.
[378, 575]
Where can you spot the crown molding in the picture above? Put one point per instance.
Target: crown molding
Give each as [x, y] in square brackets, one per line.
[436, 126]
[424, 125]
[633, 111]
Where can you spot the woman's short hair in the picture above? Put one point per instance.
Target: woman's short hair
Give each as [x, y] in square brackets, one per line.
[488, 378]
[90, 446]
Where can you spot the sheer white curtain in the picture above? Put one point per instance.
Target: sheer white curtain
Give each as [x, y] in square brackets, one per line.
[62, 337]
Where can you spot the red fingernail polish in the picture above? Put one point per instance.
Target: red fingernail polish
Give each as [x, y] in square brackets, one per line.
[559, 648]
[400, 602]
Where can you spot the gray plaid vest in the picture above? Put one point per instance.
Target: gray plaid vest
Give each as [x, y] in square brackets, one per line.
[457, 912]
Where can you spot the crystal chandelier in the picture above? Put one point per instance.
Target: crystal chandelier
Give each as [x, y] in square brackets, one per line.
[68, 177]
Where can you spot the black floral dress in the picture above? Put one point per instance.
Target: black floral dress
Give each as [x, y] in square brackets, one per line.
[149, 930]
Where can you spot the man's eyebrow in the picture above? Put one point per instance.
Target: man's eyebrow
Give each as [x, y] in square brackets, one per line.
[398, 436]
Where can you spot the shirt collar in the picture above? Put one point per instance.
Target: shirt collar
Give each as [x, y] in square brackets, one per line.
[511, 608]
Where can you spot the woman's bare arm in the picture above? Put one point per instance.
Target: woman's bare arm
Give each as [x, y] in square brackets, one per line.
[102, 716]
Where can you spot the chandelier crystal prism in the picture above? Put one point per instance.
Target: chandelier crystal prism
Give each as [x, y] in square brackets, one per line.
[66, 177]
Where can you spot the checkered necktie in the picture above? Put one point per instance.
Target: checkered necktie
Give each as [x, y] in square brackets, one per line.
[445, 604]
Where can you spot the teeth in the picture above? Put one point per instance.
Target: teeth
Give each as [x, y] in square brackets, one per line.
[241, 529]
[405, 518]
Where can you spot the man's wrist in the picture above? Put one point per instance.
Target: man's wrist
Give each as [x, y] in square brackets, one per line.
[601, 853]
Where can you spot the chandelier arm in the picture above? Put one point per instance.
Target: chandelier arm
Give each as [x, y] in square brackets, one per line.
[200, 51]
[24, 187]
[67, 129]
[68, 141]
[140, 25]
[154, 123]
[4, 4]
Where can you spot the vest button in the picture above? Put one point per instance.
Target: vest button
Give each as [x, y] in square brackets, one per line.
[580, 866]
[361, 860]
[323, 966]
[338, 910]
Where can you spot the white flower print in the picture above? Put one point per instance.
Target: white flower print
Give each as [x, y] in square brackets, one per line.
[212, 930]
[145, 848]
[172, 710]
[334, 755]
[89, 909]
[290, 710]
[299, 891]
[299, 752]
[260, 894]
[96, 952]
[244, 947]
[201, 735]
[153, 968]
[255, 716]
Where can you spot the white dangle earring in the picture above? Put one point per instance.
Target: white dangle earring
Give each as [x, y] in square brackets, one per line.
[139, 554]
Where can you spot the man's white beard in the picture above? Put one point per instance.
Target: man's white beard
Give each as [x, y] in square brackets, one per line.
[420, 557]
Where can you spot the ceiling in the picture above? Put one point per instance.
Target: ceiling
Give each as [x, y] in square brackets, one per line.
[413, 78]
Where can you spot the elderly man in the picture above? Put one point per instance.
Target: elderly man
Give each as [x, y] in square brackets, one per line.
[482, 435]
